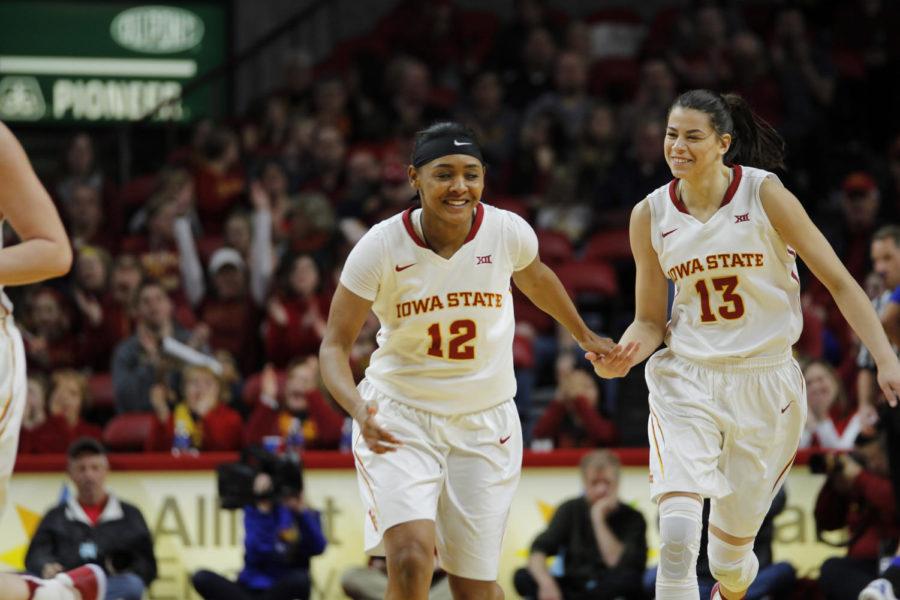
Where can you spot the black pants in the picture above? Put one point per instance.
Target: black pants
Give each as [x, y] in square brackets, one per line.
[891, 418]
[607, 586]
[212, 586]
[841, 578]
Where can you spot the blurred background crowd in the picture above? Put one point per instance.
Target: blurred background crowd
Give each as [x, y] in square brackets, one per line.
[194, 312]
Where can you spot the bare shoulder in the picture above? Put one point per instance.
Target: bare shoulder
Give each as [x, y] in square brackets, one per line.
[779, 202]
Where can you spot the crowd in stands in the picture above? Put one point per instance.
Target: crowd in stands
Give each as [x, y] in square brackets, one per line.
[229, 247]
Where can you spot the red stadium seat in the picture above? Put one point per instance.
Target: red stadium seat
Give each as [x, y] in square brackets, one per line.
[589, 277]
[129, 432]
[608, 245]
[100, 389]
[250, 393]
[554, 247]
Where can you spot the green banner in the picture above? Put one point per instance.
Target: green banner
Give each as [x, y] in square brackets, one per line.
[95, 62]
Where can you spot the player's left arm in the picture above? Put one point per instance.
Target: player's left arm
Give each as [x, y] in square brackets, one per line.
[790, 220]
[44, 251]
[546, 291]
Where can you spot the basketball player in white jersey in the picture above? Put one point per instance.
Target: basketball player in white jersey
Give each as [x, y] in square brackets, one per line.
[727, 401]
[43, 253]
[437, 439]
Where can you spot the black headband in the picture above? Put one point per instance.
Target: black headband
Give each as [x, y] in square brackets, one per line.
[443, 146]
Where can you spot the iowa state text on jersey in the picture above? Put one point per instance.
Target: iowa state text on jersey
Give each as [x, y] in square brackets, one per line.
[451, 300]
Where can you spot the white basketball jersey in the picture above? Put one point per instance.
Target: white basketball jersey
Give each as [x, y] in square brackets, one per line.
[445, 343]
[737, 289]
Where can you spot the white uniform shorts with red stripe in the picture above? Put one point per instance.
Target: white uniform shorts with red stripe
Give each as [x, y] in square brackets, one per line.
[460, 471]
[727, 430]
[13, 393]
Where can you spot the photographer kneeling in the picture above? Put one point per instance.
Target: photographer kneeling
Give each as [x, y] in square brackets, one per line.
[857, 495]
[281, 534]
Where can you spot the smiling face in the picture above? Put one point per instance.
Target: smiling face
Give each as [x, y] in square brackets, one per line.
[450, 187]
[692, 147]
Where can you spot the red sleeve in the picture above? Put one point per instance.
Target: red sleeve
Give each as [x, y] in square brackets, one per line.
[548, 425]
[52, 437]
[222, 430]
[161, 435]
[328, 422]
[601, 431]
[831, 509]
[878, 492]
[262, 422]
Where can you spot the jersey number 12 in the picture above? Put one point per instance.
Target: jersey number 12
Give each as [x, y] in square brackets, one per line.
[463, 332]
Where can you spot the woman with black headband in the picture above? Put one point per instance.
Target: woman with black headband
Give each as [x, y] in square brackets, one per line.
[437, 438]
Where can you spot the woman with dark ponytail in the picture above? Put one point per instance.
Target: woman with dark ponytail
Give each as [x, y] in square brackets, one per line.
[727, 402]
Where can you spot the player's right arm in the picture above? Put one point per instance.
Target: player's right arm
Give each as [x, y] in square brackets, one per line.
[345, 320]
[44, 251]
[648, 329]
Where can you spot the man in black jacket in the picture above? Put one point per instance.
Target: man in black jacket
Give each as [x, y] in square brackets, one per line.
[94, 527]
[603, 542]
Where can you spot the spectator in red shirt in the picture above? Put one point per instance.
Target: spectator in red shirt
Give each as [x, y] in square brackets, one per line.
[831, 421]
[219, 179]
[86, 219]
[296, 315]
[50, 342]
[232, 317]
[857, 495]
[34, 417]
[303, 406]
[90, 292]
[202, 417]
[572, 419]
[68, 398]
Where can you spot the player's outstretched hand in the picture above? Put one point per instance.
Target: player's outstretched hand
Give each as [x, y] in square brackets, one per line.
[378, 439]
[616, 363]
[889, 380]
[596, 345]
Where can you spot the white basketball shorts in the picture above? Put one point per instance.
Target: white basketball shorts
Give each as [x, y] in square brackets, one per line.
[727, 430]
[459, 471]
[13, 391]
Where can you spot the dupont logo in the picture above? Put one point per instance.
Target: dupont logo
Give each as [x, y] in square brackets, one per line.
[157, 29]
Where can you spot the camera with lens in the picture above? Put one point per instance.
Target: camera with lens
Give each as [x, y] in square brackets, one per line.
[235, 480]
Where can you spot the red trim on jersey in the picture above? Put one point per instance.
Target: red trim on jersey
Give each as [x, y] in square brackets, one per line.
[794, 275]
[729, 193]
[476, 225]
[407, 222]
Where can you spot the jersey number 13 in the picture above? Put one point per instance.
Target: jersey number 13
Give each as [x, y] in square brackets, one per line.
[732, 304]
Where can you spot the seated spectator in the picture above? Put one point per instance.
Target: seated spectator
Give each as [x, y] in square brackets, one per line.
[281, 535]
[774, 580]
[124, 280]
[90, 292]
[34, 417]
[370, 582]
[297, 313]
[65, 424]
[50, 342]
[303, 412]
[94, 526]
[830, 422]
[857, 495]
[86, 219]
[572, 419]
[601, 542]
[139, 362]
[218, 179]
[201, 421]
